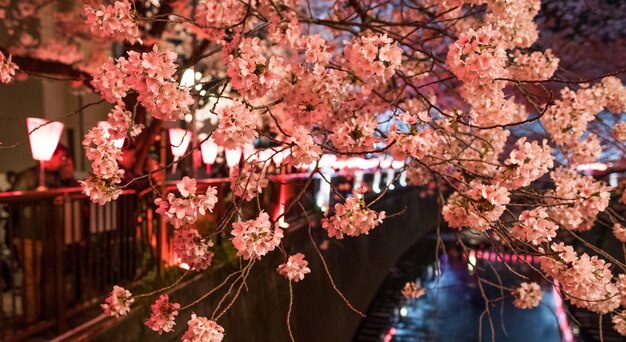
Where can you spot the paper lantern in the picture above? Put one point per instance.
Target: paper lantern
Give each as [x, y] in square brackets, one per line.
[179, 141]
[232, 157]
[209, 151]
[43, 140]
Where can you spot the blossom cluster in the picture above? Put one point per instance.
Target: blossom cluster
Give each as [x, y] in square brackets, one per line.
[7, 68]
[151, 75]
[567, 120]
[619, 322]
[514, 20]
[253, 74]
[102, 185]
[373, 57]
[236, 127]
[122, 123]
[163, 315]
[356, 134]
[303, 147]
[315, 50]
[620, 232]
[192, 249]
[535, 226]
[585, 280]
[412, 291]
[255, 238]
[118, 303]
[416, 143]
[113, 21]
[476, 207]
[619, 131]
[477, 56]
[186, 208]
[352, 218]
[526, 163]
[215, 17]
[201, 329]
[295, 268]
[538, 65]
[248, 181]
[527, 295]
[577, 199]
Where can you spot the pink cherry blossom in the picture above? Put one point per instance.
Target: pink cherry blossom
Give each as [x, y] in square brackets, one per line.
[535, 226]
[619, 131]
[113, 21]
[252, 73]
[619, 322]
[7, 68]
[373, 57]
[214, 17]
[192, 249]
[108, 80]
[103, 184]
[514, 20]
[295, 268]
[315, 50]
[352, 218]
[186, 209]
[237, 126]
[477, 207]
[356, 134]
[526, 163]
[163, 315]
[413, 291]
[118, 303]
[255, 238]
[122, 123]
[414, 142]
[534, 66]
[477, 56]
[247, 182]
[577, 199]
[201, 329]
[585, 280]
[527, 295]
[620, 232]
[303, 150]
[614, 94]
[151, 75]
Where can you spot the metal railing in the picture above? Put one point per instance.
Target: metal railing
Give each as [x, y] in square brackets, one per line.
[61, 254]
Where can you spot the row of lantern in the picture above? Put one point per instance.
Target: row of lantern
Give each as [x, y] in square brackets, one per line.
[44, 137]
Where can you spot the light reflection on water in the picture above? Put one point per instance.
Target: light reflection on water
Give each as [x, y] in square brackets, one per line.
[453, 304]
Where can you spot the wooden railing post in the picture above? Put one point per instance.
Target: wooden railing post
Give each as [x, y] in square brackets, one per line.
[58, 232]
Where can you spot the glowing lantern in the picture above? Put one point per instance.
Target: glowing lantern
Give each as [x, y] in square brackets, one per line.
[179, 141]
[105, 125]
[44, 138]
[278, 157]
[248, 150]
[232, 157]
[209, 151]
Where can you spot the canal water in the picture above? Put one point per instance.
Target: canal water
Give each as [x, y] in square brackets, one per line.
[453, 305]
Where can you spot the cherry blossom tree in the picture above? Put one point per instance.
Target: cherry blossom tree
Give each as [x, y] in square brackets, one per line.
[451, 89]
